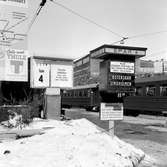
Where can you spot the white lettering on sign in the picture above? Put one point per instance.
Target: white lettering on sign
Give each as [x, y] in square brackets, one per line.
[121, 67]
[111, 111]
[61, 76]
[125, 51]
[108, 50]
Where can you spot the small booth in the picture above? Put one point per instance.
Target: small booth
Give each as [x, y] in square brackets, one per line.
[117, 75]
[51, 75]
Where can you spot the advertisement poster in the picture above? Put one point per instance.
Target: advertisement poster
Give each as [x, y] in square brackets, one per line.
[13, 24]
[13, 65]
[61, 76]
[40, 74]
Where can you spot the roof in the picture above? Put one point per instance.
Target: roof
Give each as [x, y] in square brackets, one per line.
[105, 50]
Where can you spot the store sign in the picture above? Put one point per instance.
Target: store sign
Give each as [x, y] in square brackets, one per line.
[111, 111]
[125, 51]
[120, 51]
[14, 65]
[19, 3]
[61, 76]
[121, 67]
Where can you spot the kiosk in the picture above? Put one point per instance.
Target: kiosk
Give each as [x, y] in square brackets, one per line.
[117, 75]
[51, 74]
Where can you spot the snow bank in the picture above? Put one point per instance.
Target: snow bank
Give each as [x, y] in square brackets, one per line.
[75, 143]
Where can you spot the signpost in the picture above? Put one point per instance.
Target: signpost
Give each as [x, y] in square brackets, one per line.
[111, 112]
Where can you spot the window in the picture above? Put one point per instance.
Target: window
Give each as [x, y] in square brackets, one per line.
[163, 90]
[85, 60]
[150, 91]
[78, 63]
[139, 91]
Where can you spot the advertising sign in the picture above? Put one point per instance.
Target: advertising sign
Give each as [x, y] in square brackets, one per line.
[121, 67]
[40, 72]
[51, 73]
[61, 76]
[111, 111]
[13, 65]
[13, 24]
[2, 64]
[19, 3]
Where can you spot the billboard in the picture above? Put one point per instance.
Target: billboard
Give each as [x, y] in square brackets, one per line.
[13, 24]
[18, 3]
[13, 65]
[61, 76]
[40, 72]
[51, 72]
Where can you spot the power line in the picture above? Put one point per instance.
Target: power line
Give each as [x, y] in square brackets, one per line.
[86, 18]
[147, 34]
[122, 41]
[43, 2]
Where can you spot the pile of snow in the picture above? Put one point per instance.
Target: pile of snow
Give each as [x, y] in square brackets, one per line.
[75, 143]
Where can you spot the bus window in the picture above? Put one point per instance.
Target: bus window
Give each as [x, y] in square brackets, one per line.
[80, 93]
[163, 90]
[139, 91]
[85, 93]
[150, 91]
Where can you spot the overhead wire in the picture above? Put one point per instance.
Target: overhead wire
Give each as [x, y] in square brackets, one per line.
[86, 18]
[147, 34]
[139, 36]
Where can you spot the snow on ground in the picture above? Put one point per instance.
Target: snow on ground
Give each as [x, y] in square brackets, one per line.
[145, 121]
[74, 143]
[156, 154]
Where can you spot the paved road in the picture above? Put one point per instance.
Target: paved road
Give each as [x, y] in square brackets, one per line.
[140, 131]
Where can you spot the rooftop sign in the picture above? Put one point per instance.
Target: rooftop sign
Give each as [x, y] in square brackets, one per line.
[121, 50]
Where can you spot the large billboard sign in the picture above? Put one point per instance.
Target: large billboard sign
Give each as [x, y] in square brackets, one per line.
[13, 65]
[13, 23]
[18, 3]
[47, 73]
[13, 40]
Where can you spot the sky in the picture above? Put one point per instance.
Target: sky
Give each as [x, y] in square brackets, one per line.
[60, 33]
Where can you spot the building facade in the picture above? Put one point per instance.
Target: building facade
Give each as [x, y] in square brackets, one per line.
[86, 70]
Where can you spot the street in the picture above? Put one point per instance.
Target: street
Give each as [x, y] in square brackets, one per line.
[145, 132]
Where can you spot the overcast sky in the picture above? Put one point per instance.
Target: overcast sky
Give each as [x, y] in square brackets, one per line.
[58, 32]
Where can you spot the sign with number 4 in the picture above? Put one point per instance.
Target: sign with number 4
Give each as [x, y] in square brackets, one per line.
[40, 75]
